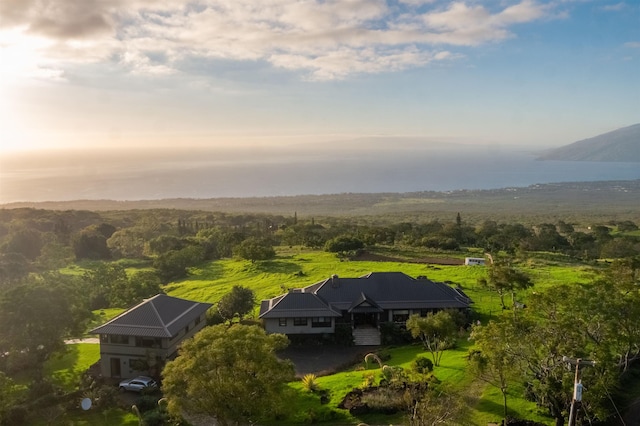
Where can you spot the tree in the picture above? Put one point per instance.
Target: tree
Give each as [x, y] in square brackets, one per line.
[503, 279]
[436, 331]
[599, 321]
[627, 226]
[173, 264]
[38, 315]
[127, 243]
[254, 249]
[491, 361]
[106, 283]
[9, 395]
[26, 241]
[343, 244]
[90, 244]
[439, 406]
[13, 267]
[239, 301]
[230, 373]
[139, 285]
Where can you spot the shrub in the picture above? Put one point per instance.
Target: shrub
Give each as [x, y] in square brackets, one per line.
[309, 382]
[422, 365]
[392, 334]
[343, 335]
[369, 380]
[102, 396]
[393, 374]
[147, 403]
[154, 418]
[42, 388]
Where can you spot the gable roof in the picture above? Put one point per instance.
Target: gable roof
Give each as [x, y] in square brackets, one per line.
[159, 316]
[364, 304]
[373, 292]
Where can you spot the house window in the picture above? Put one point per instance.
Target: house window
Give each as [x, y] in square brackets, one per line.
[321, 322]
[197, 321]
[148, 342]
[186, 329]
[401, 316]
[282, 322]
[118, 339]
[104, 338]
[299, 321]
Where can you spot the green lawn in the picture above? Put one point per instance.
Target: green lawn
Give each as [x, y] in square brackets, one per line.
[92, 417]
[66, 369]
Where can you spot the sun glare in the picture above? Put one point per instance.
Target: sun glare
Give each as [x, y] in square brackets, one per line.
[21, 61]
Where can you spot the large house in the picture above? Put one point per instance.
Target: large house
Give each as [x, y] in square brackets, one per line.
[363, 303]
[143, 338]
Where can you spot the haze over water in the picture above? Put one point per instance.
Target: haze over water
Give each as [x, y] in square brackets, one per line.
[248, 172]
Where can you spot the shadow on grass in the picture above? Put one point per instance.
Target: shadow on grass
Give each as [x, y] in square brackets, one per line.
[60, 368]
[492, 408]
[305, 407]
[206, 271]
[278, 267]
[67, 368]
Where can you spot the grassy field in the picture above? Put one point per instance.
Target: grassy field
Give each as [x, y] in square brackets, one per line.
[298, 267]
[66, 369]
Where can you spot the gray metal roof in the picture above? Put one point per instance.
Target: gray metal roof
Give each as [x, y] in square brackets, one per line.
[364, 304]
[296, 304]
[382, 290]
[159, 316]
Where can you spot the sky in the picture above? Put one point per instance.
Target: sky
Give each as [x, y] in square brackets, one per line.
[153, 73]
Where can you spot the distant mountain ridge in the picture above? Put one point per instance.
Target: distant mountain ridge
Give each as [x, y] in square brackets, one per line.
[621, 145]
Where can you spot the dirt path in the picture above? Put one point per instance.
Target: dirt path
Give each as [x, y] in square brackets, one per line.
[92, 340]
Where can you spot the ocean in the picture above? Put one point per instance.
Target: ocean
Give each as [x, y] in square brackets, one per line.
[261, 172]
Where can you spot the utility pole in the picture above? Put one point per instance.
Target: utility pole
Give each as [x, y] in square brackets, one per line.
[577, 385]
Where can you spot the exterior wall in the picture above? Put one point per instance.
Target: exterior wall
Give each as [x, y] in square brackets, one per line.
[123, 353]
[272, 325]
[194, 327]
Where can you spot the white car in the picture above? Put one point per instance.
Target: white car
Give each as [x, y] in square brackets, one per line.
[137, 384]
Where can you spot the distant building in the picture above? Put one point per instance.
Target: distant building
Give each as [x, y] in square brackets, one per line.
[361, 303]
[143, 338]
[474, 261]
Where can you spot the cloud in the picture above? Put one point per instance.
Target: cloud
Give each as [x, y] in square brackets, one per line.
[58, 19]
[633, 44]
[323, 39]
[614, 7]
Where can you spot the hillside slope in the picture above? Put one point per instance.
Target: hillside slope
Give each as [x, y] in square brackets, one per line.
[621, 145]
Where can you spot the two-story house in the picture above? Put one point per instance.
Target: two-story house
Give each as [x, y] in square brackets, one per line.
[142, 339]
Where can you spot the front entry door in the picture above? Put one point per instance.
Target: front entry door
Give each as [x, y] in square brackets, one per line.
[115, 367]
[365, 319]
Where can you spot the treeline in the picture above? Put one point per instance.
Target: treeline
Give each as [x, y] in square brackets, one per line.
[39, 240]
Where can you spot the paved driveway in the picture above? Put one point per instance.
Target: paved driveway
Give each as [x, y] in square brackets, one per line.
[323, 360]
